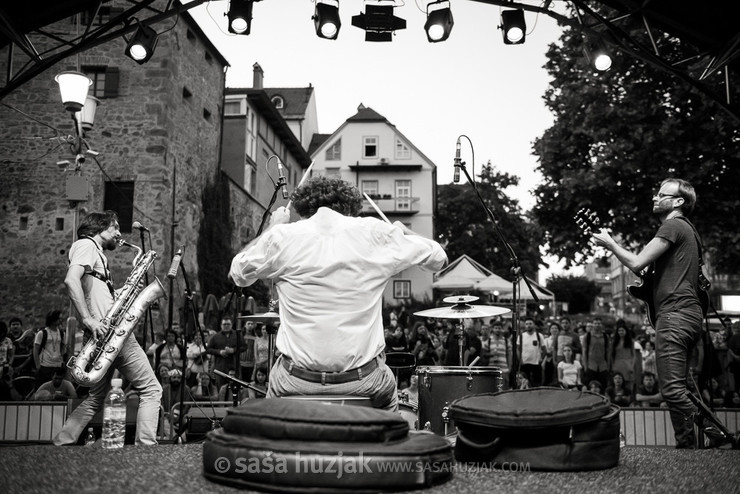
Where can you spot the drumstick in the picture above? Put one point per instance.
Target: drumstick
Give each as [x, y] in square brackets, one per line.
[474, 361]
[376, 208]
[303, 179]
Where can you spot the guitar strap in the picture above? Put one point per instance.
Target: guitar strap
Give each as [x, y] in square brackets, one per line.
[704, 283]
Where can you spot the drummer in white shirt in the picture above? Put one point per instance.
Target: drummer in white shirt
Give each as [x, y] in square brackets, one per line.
[330, 269]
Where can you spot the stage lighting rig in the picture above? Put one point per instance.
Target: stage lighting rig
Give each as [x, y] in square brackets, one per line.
[378, 22]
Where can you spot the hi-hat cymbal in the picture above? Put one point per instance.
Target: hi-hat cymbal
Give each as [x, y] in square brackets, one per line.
[266, 317]
[463, 311]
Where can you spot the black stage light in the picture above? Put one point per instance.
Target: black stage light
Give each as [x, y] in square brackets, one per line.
[326, 19]
[439, 21]
[378, 22]
[140, 47]
[513, 27]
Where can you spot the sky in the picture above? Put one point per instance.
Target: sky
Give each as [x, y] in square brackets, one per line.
[471, 84]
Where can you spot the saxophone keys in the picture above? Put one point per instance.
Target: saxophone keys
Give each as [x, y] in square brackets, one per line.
[110, 349]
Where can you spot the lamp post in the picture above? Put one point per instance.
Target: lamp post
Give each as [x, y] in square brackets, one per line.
[73, 88]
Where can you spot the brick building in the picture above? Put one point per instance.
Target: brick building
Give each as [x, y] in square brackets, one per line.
[157, 131]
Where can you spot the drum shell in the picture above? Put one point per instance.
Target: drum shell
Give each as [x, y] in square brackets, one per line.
[439, 386]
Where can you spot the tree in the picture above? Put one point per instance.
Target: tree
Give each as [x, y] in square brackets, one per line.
[578, 291]
[616, 135]
[464, 227]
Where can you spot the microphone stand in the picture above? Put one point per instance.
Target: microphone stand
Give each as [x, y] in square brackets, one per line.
[516, 271]
[148, 314]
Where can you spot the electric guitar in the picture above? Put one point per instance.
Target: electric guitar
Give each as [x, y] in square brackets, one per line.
[642, 289]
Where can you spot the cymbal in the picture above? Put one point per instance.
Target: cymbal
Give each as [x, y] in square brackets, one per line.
[464, 311]
[266, 317]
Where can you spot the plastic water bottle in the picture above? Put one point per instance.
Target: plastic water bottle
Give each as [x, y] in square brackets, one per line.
[114, 416]
[90, 438]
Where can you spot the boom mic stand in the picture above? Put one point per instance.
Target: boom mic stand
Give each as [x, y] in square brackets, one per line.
[516, 271]
[148, 314]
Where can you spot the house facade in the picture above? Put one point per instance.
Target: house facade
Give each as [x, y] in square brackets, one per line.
[370, 152]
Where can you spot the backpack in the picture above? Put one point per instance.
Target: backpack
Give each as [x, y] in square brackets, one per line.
[45, 336]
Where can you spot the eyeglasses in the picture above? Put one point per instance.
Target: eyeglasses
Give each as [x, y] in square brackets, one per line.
[662, 196]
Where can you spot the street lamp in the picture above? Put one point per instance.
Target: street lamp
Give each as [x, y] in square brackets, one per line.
[73, 87]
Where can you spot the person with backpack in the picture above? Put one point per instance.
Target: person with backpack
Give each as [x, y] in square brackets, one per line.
[49, 348]
[531, 352]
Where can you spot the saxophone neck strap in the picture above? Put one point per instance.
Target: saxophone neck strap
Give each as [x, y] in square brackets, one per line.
[105, 278]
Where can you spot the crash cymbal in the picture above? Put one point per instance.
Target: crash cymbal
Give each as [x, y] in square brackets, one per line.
[266, 317]
[463, 311]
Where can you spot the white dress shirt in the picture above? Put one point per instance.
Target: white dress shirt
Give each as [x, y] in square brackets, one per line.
[330, 271]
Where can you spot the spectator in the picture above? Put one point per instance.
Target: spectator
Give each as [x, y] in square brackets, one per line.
[568, 337]
[549, 362]
[260, 382]
[197, 359]
[531, 352]
[499, 348]
[49, 347]
[424, 353]
[648, 395]
[648, 358]
[624, 356]
[713, 394]
[521, 381]
[204, 389]
[169, 353]
[226, 392]
[261, 348]
[58, 389]
[7, 352]
[596, 353]
[472, 346]
[569, 370]
[222, 347]
[163, 375]
[152, 350]
[595, 387]
[397, 341]
[22, 362]
[8, 391]
[247, 355]
[618, 393]
[171, 390]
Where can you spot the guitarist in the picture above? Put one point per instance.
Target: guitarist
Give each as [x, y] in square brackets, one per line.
[674, 255]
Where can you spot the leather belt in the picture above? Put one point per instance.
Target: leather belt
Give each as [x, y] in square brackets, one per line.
[324, 378]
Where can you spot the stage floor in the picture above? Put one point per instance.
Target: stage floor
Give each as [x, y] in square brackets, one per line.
[77, 469]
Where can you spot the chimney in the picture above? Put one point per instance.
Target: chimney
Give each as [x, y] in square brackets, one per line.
[257, 77]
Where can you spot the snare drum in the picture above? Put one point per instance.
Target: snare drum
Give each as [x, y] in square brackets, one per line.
[439, 386]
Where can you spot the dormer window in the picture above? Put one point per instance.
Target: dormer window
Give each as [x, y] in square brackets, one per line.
[278, 102]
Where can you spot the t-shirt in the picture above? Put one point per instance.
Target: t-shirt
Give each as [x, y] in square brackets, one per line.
[571, 376]
[50, 355]
[85, 252]
[6, 345]
[677, 270]
[530, 346]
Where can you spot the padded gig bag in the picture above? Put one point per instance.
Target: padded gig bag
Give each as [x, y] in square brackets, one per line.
[284, 445]
[544, 428]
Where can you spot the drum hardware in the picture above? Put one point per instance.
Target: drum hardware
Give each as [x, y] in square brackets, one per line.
[461, 309]
[427, 380]
[470, 382]
[446, 415]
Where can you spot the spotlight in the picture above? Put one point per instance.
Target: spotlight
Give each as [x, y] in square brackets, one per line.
[240, 16]
[513, 27]
[141, 46]
[378, 22]
[326, 19]
[597, 55]
[439, 21]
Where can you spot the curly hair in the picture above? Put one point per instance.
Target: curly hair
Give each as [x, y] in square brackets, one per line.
[95, 223]
[333, 193]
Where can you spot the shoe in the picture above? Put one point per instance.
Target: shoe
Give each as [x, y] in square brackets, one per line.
[716, 436]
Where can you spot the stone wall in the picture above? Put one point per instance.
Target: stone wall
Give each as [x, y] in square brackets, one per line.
[162, 131]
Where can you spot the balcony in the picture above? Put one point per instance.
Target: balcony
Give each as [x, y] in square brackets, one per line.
[391, 206]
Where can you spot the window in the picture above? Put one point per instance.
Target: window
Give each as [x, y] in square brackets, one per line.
[119, 197]
[403, 195]
[186, 94]
[105, 81]
[403, 152]
[59, 224]
[333, 172]
[401, 289]
[251, 135]
[23, 223]
[370, 187]
[233, 108]
[250, 178]
[279, 102]
[334, 153]
[369, 147]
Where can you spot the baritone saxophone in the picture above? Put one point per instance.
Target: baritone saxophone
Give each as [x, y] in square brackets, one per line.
[129, 305]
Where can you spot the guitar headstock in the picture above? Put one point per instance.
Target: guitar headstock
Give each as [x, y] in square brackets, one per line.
[587, 220]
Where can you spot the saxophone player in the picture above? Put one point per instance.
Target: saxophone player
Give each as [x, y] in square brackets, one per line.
[91, 291]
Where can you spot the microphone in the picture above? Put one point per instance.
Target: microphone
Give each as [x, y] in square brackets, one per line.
[139, 226]
[172, 273]
[456, 176]
[281, 179]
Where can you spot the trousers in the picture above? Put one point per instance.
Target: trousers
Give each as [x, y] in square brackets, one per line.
[134, 365]
[677, 334]
[379, 385]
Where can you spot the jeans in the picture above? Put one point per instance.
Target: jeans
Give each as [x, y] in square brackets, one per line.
[134, 365]
[379, 385]
[676, 336]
